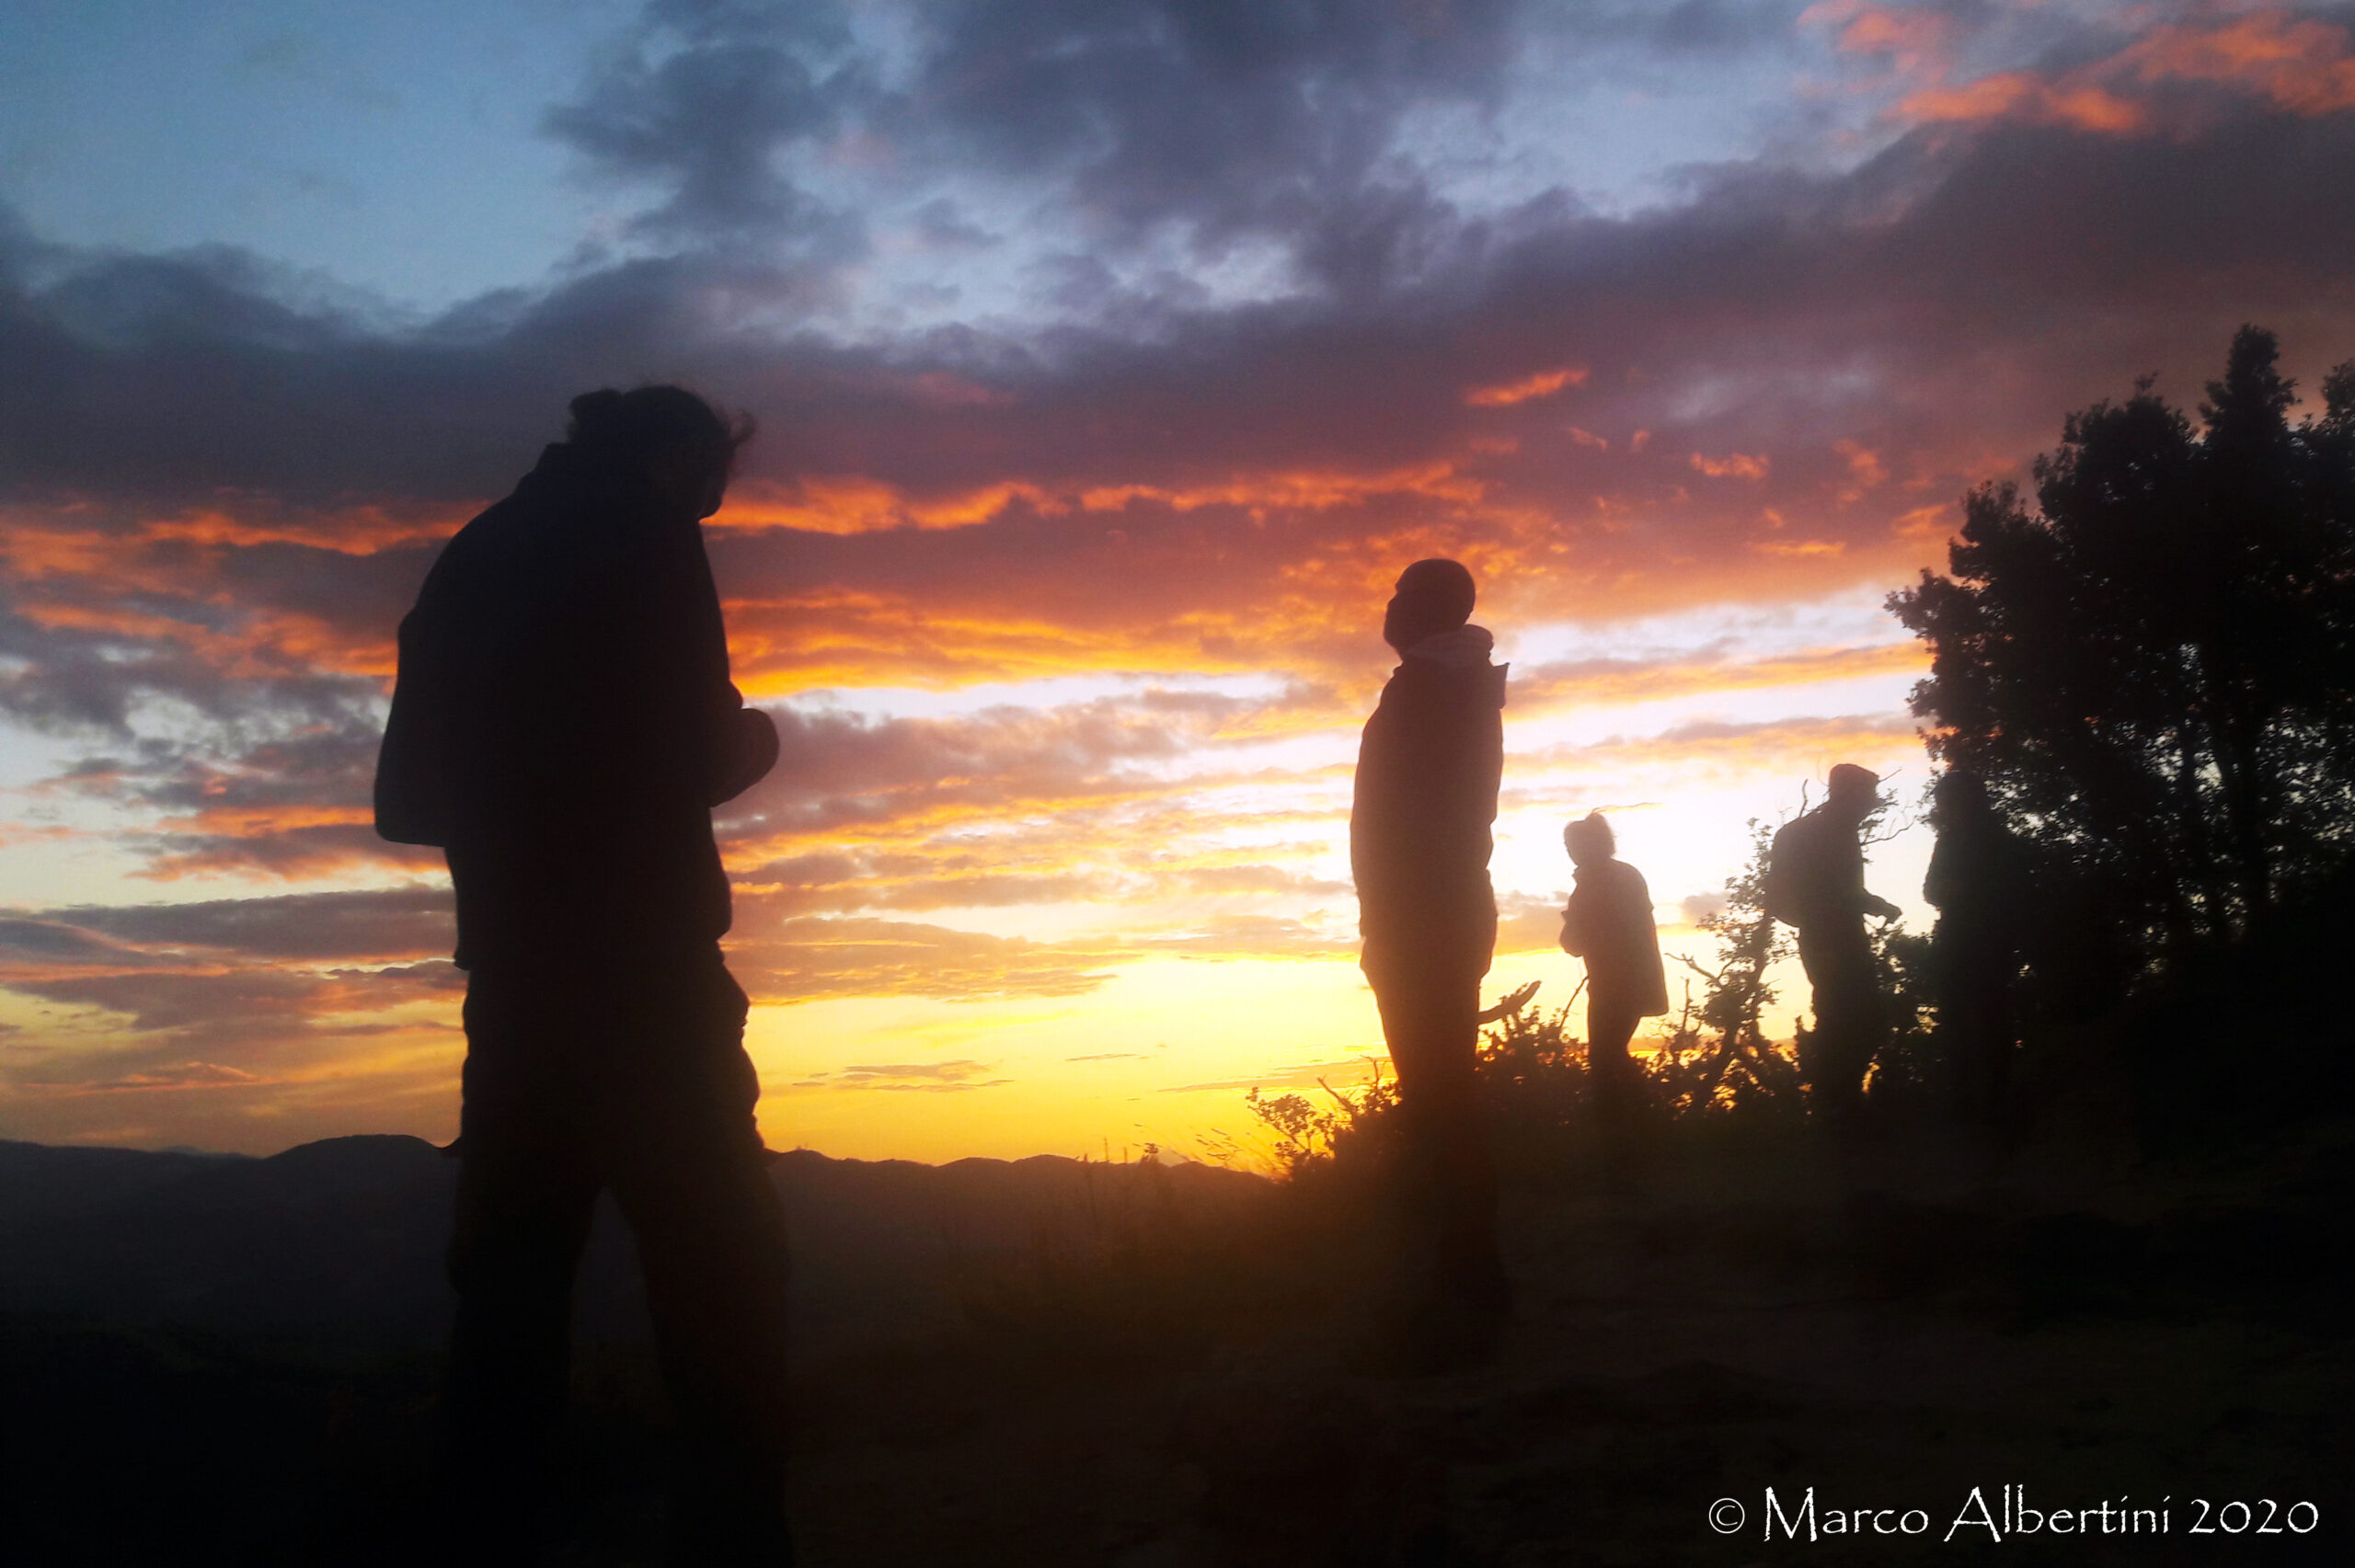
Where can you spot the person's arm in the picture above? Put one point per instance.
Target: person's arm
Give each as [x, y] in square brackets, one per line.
[1575, 940]
[1938, 885]
[1378, 806]
[1860, 896]
[729, 746]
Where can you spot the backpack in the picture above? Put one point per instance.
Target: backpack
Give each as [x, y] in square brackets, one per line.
[1775, 883]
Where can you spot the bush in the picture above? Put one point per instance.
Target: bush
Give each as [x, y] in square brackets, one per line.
[1711, 1063]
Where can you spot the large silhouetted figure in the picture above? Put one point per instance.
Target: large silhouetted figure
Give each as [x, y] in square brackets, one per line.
[1816, 882]
[1608, 923]
[562, 726]
[1426, 796]
[1980, 882]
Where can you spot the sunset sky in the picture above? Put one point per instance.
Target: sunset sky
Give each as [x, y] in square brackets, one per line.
[1112, 357]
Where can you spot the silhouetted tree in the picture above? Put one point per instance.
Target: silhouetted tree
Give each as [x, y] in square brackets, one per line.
[2153, 668]
[1716, 1053]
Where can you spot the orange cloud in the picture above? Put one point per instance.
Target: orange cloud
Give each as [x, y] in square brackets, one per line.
[797, 960]
[1915, 40]
[181, 583]
[68, 538]
[2301, 65]
[281, 817]
[352, 530]
[1863, 464]
[1194, 581]
[840, 503]
[1734, 464]
[1308, 490]
[1925, 525]
[2021, 96]
[1545, 383]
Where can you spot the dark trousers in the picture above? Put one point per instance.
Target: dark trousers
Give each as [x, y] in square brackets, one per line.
[1851, 1023]
[633, 1079]
[1976, 1024]
[1429, 1020]
[1612, 1076]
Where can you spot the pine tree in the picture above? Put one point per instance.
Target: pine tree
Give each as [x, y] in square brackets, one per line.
[2154, 667]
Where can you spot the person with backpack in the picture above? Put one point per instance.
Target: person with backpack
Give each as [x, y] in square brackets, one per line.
[1815, 881]
[562, 725]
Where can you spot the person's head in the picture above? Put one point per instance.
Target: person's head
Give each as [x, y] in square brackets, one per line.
[1589, 839]
[1432, 596]
[1851, 792]
[682, 447]
[1960, 799]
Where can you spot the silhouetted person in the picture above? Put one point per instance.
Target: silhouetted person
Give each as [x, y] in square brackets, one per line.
[1608, 923]
[1979, 882]
[1816, 882]
[562, 726]
[1426, 796]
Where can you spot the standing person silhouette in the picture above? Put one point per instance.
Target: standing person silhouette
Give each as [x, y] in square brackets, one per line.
[1429, 767]
[1608, 923]
[1816, 882]
[562, 725]
[1980, 882]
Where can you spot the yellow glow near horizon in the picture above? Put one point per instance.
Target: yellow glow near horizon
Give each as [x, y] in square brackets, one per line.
[1178, 913]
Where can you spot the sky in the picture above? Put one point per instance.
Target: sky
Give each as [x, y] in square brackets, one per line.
[1112, 357]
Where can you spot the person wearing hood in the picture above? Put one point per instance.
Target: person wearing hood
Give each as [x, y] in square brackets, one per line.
[1429, 767]
[562, 725]
[1608, 923]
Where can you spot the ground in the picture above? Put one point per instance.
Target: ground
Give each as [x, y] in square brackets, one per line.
[1699, 1319]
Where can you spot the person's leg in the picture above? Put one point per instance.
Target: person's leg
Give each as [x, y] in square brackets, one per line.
[1845, 998]
[1962, 1028]
[1998, 1040]
[1610, 1025]
[525, 1188]
[1975, 1025]
[1431, 1023]
[1814, 1067]
[679, 1147]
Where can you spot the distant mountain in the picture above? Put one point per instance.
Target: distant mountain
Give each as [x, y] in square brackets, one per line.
[38, 1183]
[341, 1241]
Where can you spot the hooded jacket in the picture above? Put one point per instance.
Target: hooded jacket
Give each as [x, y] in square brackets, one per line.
[1430, 763]
[563, 721]
[1608, 923]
